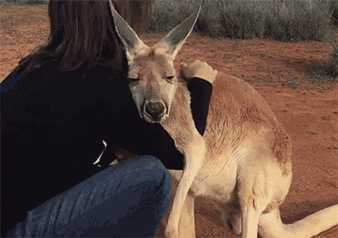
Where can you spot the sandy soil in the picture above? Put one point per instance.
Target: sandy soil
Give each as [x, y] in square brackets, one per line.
[279, 71]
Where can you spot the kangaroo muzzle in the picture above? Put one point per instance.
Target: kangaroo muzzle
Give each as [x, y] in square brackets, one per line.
[154, 111]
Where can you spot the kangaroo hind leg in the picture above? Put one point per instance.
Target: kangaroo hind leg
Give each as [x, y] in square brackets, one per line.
[252, 205]
[255, 191]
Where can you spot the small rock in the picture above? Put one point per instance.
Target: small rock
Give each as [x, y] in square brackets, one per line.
[293, 84]
[325, 118]
[312, 132]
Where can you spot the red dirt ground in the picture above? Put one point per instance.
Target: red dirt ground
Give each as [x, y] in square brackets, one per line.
[309, 110]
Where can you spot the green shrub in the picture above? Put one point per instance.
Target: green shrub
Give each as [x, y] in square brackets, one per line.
[25, 1]
[328, 70]
[334, 11]
[285, 20]
[333, 66]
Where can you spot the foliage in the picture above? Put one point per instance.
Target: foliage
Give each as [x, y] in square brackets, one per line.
[333, 66]
[285, 20]
[25, 1]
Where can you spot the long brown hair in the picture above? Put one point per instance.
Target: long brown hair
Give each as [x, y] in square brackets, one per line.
[82, 35]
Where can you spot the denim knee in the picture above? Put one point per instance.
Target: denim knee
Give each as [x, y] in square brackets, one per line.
[160, 174]
[161, 184]
[152, 169]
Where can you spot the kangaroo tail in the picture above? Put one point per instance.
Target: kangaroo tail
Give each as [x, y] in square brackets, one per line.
[271, 225]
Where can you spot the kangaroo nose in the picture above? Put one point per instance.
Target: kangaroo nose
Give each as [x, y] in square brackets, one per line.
[155, 109]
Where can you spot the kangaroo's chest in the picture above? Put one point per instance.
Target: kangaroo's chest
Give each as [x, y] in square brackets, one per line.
[216, 179]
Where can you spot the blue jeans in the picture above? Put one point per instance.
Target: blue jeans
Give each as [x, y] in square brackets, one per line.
[127, 200]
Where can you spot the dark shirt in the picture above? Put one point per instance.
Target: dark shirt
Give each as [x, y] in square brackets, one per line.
[53, 124]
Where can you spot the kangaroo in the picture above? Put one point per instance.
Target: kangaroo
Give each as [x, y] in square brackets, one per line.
[243, 160]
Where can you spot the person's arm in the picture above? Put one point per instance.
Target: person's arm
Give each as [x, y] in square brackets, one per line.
[200, 77]
[123, 127]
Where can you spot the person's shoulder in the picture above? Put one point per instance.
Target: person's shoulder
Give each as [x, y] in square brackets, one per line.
[23, 74]
[46, 71]
[54, 71]
[101, 72]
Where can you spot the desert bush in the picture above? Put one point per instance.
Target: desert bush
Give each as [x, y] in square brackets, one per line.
[167, 14]
[326, 71]
[24, 1]
[286, 20]
[295, 20]
[334, 11]
[333, 65]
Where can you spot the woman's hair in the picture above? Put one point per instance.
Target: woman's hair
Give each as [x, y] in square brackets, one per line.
[82, 35]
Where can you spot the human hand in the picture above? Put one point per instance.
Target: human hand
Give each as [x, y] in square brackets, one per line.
[198, 69]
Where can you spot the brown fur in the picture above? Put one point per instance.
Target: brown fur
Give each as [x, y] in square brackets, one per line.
[183, 133]
[236, 112]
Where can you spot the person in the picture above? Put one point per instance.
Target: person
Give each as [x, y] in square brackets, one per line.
[64, 106]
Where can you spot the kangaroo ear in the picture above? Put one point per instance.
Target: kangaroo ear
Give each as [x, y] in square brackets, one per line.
[175, 39]
[132, 43]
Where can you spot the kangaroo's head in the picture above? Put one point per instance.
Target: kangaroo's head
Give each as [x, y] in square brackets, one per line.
[152, 75]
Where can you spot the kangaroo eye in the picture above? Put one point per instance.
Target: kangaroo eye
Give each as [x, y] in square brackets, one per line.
[133, 79]
[170, 78]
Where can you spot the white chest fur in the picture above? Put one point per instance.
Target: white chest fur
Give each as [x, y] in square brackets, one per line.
[216, 180]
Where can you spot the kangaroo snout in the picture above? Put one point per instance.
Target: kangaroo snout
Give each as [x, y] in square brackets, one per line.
[154, 111]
